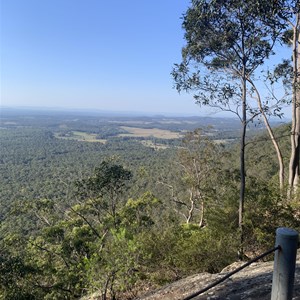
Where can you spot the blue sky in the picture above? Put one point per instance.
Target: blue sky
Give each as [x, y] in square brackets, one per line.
[92, 54]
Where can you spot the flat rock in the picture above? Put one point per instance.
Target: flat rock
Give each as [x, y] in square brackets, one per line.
[253, 282]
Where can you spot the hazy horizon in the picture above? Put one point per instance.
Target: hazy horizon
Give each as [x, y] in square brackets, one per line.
[124, 113]
[107, 111]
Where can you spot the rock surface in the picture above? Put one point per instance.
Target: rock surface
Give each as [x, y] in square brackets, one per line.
[253, 282]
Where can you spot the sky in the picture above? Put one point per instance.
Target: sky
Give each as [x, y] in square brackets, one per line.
[93, 54]
[111, 55]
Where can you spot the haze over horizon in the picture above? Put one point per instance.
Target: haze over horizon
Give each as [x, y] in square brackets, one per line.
[95, 55]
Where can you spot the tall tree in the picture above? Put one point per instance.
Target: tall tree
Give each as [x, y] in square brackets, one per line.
[295, 132]
[286, 15]
[265, 110]
[108, 185]
[289, 12]
[198, 166]
[226, 41]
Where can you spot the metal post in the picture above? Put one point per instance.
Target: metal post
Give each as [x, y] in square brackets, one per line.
[284, 264]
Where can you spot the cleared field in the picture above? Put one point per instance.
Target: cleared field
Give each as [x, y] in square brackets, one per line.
[131, 122]
[81, 137]
[147, 132]
[156, 146]
[176, 122]
[224, 141]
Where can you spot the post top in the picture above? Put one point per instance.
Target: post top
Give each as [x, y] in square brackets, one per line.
[287, 232]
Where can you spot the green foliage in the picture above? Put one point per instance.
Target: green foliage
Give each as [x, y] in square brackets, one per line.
[109, 178]
[115, 232]
[223, 40]
[116, 270]
[207, 250]
[266, 209]
[261, 156]
[181, 250]
[196, 166]
[139, 214]
[14, 273]
[92, 246]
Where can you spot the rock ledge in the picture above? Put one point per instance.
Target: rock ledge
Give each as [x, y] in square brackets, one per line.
[253, 282]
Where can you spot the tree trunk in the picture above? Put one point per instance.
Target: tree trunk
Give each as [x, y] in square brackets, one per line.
[278, 152]
[192, 207]
[201, 214]
[295, 130]
[272, 136]
[242, 166]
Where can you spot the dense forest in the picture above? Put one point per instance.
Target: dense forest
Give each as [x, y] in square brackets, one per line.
[123, 214]
[118, 205]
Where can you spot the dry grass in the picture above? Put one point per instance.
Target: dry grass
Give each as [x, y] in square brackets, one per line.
[82, 137]
[147, 132]
[156, 146]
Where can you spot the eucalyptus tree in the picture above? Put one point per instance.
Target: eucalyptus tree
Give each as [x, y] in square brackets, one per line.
[267, 108]
[226, 41]
[295, 132]
[286, 15]
[288, 12]
[106, 188]
[197, 167]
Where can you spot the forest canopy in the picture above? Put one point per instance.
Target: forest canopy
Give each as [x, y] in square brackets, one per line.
[120, 205]
[79, 217]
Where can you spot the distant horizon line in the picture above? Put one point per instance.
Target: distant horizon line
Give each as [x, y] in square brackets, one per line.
[97, 111]
[107, 111]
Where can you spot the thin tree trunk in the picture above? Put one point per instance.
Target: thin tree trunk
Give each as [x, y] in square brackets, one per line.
[242, 166]
[272, 136]
[295, 130]
[278, 152]
[191, 209]
[201, 214]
